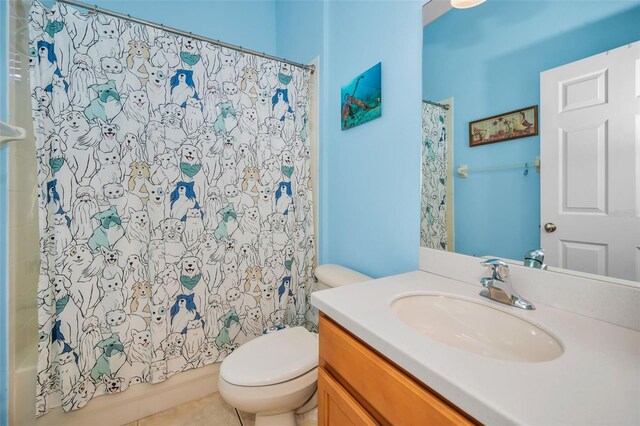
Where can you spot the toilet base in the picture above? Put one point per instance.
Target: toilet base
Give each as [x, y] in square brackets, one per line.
[283, 419]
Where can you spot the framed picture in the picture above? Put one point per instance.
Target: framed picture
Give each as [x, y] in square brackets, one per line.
[361, 99]
[503, 127]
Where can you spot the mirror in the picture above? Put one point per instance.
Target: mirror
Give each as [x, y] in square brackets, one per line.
[531, 133]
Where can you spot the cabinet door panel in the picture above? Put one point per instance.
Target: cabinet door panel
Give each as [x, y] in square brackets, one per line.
[336, 407]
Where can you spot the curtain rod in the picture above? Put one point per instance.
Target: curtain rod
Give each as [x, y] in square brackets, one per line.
[436, 104]
[96, 9]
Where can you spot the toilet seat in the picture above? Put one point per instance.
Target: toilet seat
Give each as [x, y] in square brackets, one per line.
[272, 359]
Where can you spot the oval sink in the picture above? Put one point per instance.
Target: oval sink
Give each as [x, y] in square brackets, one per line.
[476, 328]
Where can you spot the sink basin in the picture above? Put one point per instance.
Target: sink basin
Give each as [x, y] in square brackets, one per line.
[476, 328]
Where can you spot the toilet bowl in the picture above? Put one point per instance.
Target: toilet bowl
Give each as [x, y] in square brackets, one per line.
[272, 375]
[275, 375]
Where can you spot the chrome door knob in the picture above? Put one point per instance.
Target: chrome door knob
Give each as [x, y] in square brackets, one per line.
[550, 227]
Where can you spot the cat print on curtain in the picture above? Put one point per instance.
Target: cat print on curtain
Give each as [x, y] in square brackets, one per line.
[433, 224]
[176, 215]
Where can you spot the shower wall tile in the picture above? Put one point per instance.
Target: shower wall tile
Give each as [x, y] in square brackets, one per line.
[22, 169]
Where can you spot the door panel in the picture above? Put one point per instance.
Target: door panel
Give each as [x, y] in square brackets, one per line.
[637, 159]
[584, 91]
[637, 78]
[584, 169]
[585, 257]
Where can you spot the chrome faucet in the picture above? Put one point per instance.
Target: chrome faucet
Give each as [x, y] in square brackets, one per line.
[535, 259]
[499, 288]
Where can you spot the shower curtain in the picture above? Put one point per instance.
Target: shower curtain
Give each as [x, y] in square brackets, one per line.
[433, 223]
[175, 202]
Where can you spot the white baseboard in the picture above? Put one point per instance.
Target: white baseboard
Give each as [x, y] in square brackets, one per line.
[109, 410]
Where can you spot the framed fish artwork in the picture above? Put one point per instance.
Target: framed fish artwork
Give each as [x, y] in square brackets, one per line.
[361, 99]
[520, 123]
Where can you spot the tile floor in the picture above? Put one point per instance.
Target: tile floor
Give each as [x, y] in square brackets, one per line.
[208, 411]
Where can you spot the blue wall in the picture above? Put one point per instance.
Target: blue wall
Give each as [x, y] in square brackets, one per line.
[369, 175]
[489, 58]
[372, 172]
[245, 23]
[4, 337]
[300, 29]
[300, 36]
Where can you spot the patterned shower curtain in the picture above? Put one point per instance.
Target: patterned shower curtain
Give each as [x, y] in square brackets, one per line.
[433, 224]
[175, 202]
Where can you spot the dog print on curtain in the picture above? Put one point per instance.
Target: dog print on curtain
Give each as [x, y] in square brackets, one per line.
[175, 202]
[433, 224]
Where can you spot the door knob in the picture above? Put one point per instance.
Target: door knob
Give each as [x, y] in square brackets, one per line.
[550, 227]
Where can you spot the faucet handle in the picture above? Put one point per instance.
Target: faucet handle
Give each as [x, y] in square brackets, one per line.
[498, 268]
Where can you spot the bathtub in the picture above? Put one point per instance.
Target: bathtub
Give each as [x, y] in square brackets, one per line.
[135, 403]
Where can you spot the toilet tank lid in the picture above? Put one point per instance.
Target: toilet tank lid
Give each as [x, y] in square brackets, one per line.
[337, 275]
[272, 358]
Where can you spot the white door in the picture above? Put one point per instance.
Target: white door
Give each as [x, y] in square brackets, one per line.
[590, 155]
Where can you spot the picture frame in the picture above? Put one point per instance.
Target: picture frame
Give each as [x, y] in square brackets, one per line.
[516, 124]
[361, 98]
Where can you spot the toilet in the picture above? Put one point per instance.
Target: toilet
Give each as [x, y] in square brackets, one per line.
[275, 375]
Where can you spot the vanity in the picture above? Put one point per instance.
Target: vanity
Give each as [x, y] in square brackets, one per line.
[561, 364]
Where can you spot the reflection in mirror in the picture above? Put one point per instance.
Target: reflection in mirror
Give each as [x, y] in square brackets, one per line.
[437, 181]
[542, 148]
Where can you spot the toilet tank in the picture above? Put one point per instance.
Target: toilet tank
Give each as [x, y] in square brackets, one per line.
[331, 275]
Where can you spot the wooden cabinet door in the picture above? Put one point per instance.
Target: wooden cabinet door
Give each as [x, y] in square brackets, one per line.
[336, 407]
[390, 395]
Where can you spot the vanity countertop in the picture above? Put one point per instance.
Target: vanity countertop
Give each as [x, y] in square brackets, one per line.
[595, 381]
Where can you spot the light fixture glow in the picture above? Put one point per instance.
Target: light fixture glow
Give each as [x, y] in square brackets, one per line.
[465, 4]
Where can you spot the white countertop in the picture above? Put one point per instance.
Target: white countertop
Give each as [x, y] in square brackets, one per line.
[595, 381]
